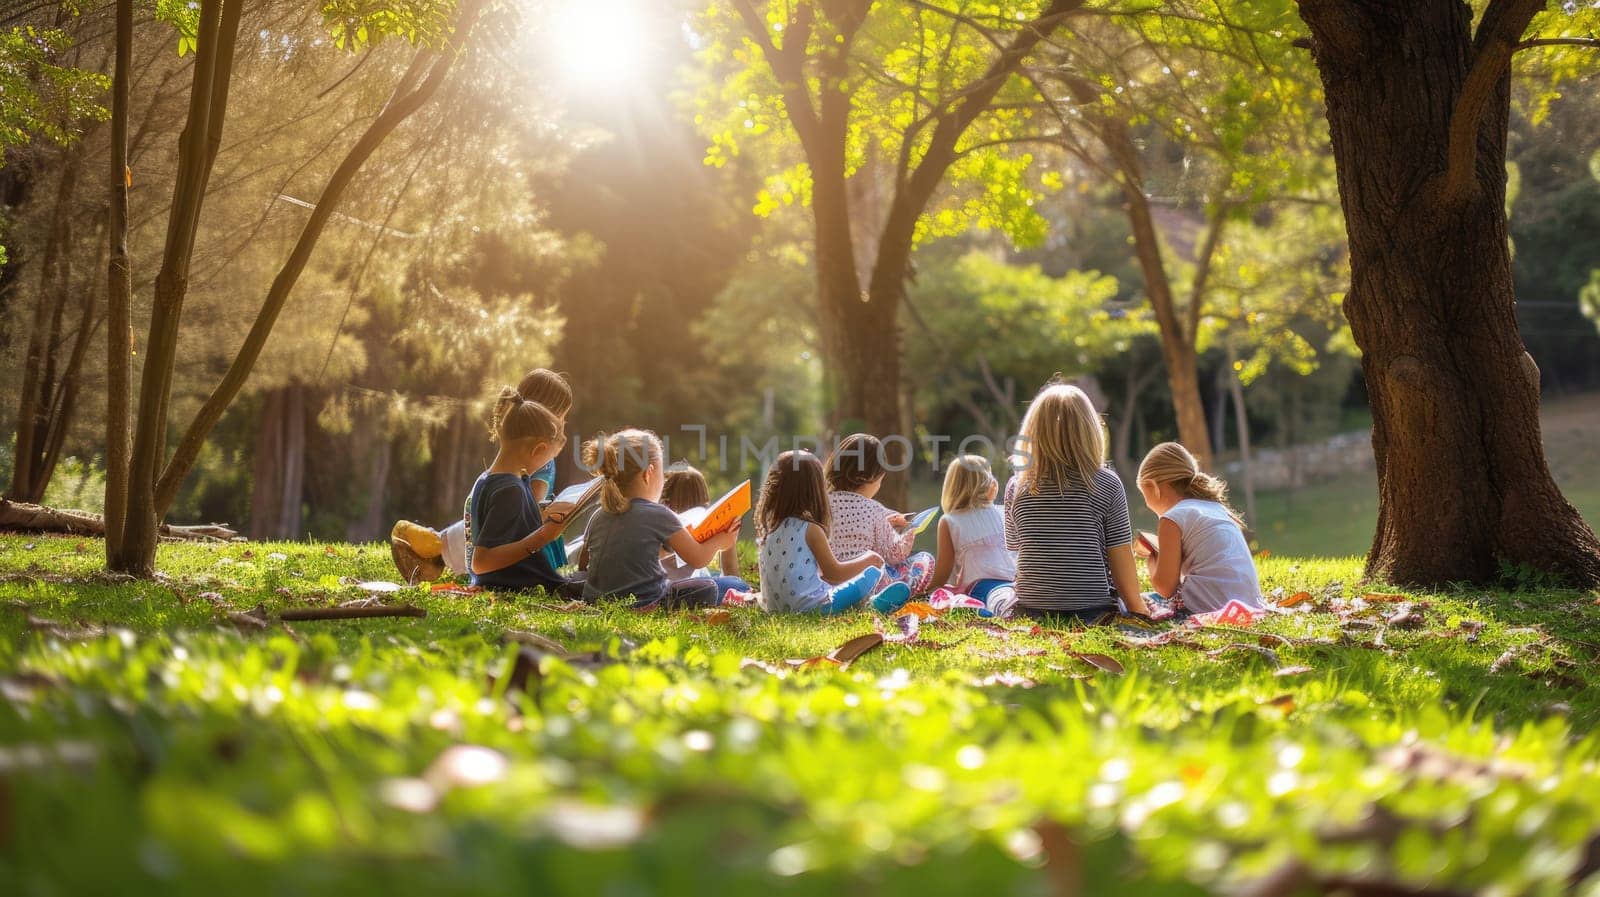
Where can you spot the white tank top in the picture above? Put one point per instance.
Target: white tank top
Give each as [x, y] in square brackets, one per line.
[979, 535]
[1217, 566]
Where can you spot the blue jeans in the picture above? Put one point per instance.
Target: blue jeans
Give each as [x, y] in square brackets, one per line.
[724, 583]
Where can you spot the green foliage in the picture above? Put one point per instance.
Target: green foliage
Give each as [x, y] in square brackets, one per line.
[171, 754]
[907, 61]
[41, 95]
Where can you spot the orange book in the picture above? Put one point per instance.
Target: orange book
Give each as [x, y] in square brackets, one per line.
[723, 513]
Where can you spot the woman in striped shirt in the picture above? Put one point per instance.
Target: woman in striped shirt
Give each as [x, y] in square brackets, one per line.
[1066, 514]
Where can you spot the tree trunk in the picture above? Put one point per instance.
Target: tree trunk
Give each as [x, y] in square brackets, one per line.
[375, 465]
[119, 293]
[1463, 486]
[448, 480]
[278, 479]
[40, 385]
[202, 135]
[1242, 422]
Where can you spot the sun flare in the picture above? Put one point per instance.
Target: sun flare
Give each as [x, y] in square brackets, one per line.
[599, 44]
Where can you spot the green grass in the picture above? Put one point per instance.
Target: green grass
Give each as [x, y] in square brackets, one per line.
[149, 746]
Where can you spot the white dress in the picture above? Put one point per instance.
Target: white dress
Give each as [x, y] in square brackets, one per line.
[979, 535]
[1217, 566]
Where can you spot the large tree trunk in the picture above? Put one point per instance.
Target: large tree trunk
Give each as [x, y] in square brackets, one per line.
[278, 474]
[1462, 480]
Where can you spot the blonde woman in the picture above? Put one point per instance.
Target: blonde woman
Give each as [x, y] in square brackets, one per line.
[623, 543]
[1202, 560]
[1066, 514]
[972, 551]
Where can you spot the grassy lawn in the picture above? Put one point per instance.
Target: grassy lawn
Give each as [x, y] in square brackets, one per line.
[148, 745]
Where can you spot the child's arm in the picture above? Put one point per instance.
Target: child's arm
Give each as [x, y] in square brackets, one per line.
[487, 560]
[1166, 566]
[699, 554]
[728, 563]
[944, 562]
[891, 544]
[538, 489]
[834, 571]
[1125, 576]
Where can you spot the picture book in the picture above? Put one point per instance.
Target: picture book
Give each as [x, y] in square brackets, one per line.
[584, 497]
[723, 513]
[920, 520]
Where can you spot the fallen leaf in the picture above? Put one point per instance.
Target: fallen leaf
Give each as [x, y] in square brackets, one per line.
[1100, 661]
[1009, 680]
[846, 653]
[1284, 702]
[535, 640]
[455, 588]
[922, 610]
[1383, 596]
[379, 586]
[1296, 598]
[1291, 671]
[716, 617]
[1268, 653]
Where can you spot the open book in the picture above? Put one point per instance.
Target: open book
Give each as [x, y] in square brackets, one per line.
[919, 521]
[1145, 543]
[584, 497]
[723, 513]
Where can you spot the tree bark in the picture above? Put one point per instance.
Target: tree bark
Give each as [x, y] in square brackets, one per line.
[1242, 424]
[119, 292]
[202, 133]
[1463, 487]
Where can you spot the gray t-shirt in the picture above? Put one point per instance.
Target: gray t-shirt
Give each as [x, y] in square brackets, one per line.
[625, 551]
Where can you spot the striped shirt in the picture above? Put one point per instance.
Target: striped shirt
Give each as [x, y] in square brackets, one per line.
[1061, 533]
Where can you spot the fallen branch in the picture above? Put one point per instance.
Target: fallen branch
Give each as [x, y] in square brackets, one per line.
[296, 614]
[23, 517]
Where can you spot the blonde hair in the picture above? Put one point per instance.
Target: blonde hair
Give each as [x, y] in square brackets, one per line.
[966, 483]
[516, 418]
[620, 458]
[1172, 464]
[1062, 440]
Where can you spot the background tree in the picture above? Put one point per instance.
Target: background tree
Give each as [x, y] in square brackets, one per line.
[1418, 100]
[914, 89]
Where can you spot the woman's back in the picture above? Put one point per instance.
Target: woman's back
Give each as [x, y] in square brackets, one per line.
[1217, 566]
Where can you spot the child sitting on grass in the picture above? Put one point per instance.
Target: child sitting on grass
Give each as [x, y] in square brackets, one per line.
[623, 543]
[688, 496]
[859, 523]
[1202, 560]
[422, 554]
[799, 572]
[1066, 514]
[972, 539]
[505, 531]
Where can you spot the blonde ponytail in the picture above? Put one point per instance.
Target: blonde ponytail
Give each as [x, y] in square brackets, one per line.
[1171, 464]
[620, 458]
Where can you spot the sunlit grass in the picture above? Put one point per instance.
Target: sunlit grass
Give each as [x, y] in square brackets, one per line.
[679, 753]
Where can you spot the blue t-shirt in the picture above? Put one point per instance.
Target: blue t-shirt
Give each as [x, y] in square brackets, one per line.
[556, 550]
[500, 511]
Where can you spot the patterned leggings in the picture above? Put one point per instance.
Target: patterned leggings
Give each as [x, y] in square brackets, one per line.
[915, 571]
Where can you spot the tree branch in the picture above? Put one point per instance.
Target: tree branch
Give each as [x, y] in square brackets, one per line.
[1592, 43]
[1503, 25]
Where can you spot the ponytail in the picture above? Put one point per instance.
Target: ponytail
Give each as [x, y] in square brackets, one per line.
[517, 418]
[620, 458]
[1171, 464]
